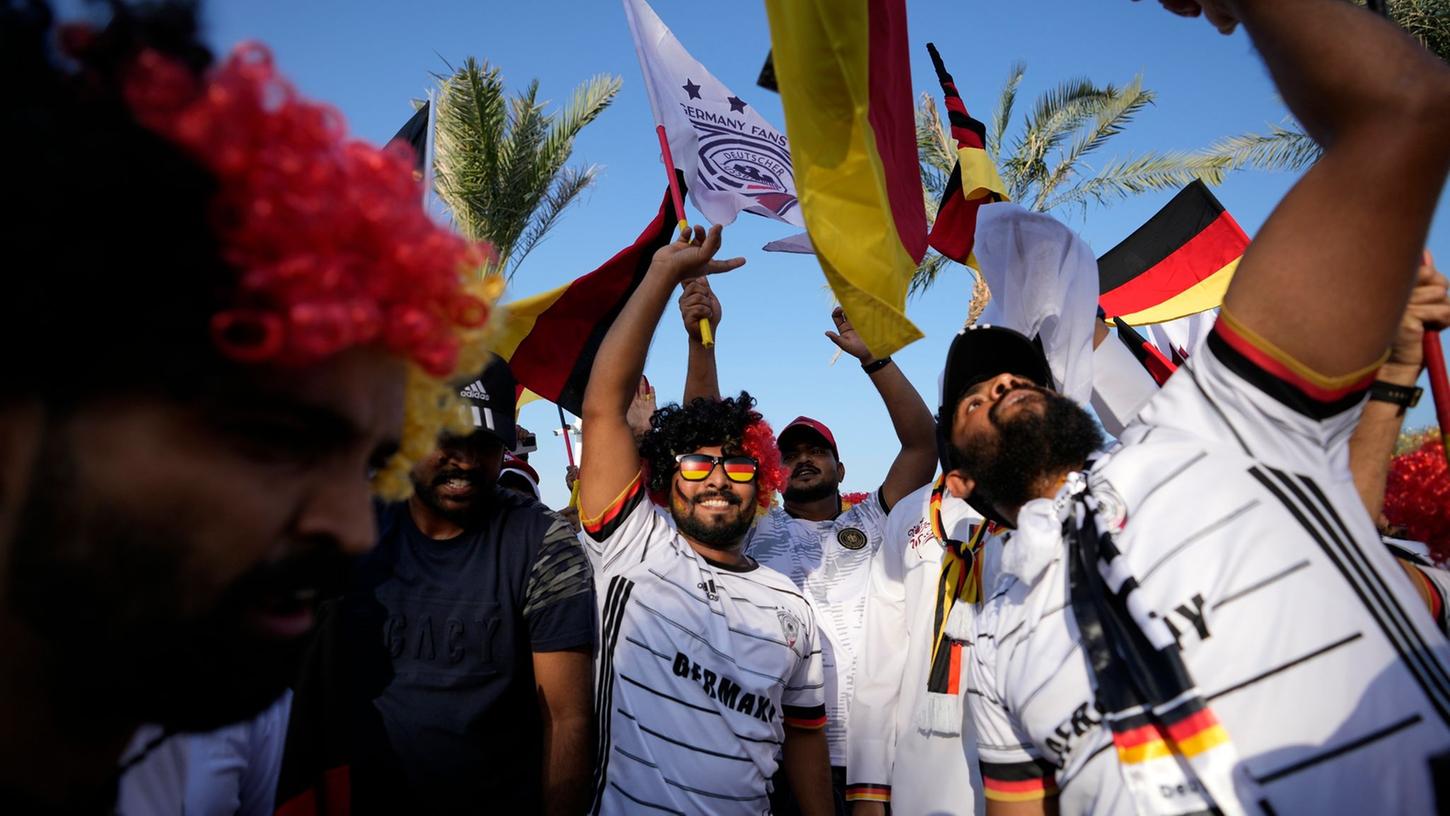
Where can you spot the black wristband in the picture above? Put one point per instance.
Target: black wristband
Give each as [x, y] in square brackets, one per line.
[1405, 396]
[873, 367]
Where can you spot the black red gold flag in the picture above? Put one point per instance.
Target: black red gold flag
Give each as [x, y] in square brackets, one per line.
[974, 180]
[1177, 264]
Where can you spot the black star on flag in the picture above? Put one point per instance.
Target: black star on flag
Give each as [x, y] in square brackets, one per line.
[691, 88]
[736, 104]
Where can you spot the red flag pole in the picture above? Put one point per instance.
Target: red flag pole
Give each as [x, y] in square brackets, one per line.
[707, 338]
[1439, 385]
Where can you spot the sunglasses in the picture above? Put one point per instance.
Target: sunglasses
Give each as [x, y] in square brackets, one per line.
[697, 467]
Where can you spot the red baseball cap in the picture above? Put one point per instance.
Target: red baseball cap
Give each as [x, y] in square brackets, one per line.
[804, 424]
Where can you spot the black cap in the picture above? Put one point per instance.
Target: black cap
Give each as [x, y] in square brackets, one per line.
[491, 399]
[979, 353]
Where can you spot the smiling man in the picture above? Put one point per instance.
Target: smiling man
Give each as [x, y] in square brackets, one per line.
[709, 663]
[196, 387]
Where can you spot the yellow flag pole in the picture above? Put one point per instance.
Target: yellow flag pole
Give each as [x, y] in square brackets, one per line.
[707, 337]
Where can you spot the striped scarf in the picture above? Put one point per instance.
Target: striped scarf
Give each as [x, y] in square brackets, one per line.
[1174, 755]
[958, 589]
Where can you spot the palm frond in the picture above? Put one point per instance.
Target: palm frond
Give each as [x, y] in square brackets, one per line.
[587, 102]
[926, 273]
[1003, 113]
[1140, 174]
[1281, 148]
[934, 145]
[1112, 117]
[570, 184]
[1056, 115]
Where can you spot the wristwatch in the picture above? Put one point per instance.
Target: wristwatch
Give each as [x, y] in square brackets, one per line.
[875, 365]
[1405, 396]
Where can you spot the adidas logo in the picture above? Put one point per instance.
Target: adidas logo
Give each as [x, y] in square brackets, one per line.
[475, 390]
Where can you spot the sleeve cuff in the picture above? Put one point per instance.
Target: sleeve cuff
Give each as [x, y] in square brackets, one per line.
[1018, 781]
[601, 526]
[811, 718]
[865, 792]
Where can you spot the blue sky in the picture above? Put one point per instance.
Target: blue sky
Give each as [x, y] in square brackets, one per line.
[370, 57]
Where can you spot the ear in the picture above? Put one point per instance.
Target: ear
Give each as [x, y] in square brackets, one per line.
[960, 484]
[840, 471]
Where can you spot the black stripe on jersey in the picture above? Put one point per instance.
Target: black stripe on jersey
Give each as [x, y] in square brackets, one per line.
[1074, 650]
[1024, 771]
[1339, 750]
[1193, 378]
[1420, 650]
[701, 638]
[1322, 650]
[1258, 585]
[626, 794]
[687, 746]
[672, 783]
[1170, 477]
[633, 682]
[614, 602]
[1211, 527]
[1373, 595]
[1282, 392]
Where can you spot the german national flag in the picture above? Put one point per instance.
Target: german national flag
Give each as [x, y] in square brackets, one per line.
[550, 340]
[974, 180]
[1177, 264]
[1159, 367]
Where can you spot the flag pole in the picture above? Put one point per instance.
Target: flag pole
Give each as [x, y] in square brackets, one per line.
[564, 428]
[1439, 385]
[707, 338]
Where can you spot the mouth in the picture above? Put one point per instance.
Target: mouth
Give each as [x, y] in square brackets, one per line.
[804, 471]
[455, 485]
[282, 615]
[717, 502]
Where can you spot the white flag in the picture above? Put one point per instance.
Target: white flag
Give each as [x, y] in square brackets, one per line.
[732, 158]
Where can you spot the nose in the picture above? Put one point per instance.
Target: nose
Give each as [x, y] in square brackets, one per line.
[717, 478]
[1001, 384]
[339, 512]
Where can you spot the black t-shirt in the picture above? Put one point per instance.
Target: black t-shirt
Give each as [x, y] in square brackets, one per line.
[440, 636]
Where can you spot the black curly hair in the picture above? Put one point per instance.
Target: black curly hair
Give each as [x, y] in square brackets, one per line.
[677, 429]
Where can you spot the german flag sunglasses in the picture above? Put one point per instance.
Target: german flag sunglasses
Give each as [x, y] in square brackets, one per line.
[697, 467]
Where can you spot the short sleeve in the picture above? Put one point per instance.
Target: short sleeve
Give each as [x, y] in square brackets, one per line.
[626, 531]
[803, 703]
[1012, 768]
[559, 597]
[1271, 400]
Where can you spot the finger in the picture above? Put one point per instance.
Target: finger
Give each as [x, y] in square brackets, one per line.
[711, 241]
[716, 267]
[699, 236]
[1434, 317]
[834, 338]
[1428, 293]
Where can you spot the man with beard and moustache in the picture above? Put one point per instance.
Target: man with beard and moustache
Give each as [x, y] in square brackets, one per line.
[466, 640]
[814, 537]
[1205, 618]
[184, 447]
[710, 671]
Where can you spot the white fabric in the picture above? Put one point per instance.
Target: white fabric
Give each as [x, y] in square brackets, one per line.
[1044, 282]
[1183, 336]
[699, 668]
[927, 773]
[732, 158]
[231, 771]
[1307, 640]
[1121, 386]
[834, 578]
[800, 244]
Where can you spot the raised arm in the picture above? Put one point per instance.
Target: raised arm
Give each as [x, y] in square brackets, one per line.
[1325, 281]
[611, 459]
[698, 302]
[1373, 442]
[915, 464]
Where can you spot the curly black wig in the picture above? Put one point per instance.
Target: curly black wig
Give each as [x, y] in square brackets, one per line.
[732, 423]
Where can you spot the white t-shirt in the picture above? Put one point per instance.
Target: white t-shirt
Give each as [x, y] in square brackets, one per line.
[1232, 504]
[891, 758]
[701, 667]
[829, 561]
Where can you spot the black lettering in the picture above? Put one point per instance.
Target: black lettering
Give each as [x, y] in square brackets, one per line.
[395, 635]
[695, 672]
[747, 704]
[1083, 721]
[1194, 615]
[1054, 746]
[709, 683]
[425, 649]
[488, 628]
[453, 640]
[728, 692]
[682, 665]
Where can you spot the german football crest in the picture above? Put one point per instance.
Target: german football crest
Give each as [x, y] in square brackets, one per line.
[852, 538]
[790, 626]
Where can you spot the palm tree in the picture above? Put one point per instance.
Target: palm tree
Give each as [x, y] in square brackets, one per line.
[500, 163]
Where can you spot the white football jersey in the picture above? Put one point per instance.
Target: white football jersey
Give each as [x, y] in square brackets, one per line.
[701, 666]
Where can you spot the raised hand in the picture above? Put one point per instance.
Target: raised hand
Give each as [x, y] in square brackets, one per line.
[641, 408]
[846, 337]
[693, 256]
[1428, 309]
[697, 303]
[1217, 12]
